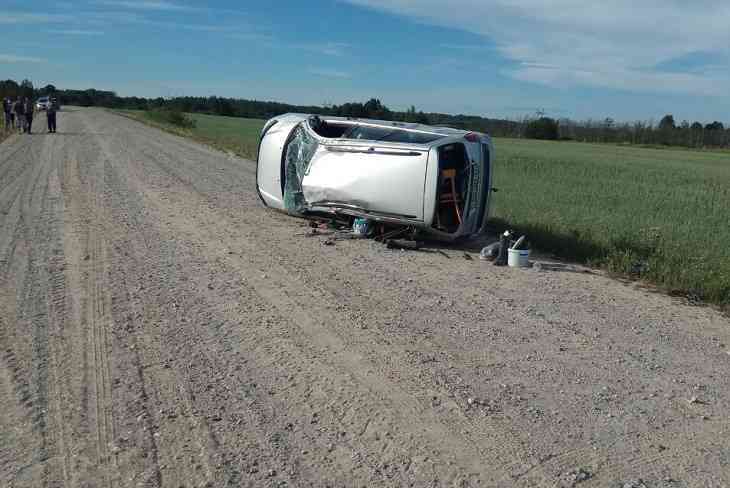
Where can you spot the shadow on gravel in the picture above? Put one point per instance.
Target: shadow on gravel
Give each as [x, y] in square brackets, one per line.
[548, 248]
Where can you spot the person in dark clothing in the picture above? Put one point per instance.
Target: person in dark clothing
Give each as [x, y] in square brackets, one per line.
[12, 114]
[51, 117]
[19, 115]
[8, 111]
[28, 112]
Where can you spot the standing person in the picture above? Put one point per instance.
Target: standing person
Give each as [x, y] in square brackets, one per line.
[8, 111]
[12, 113]
[28, 112]
[51, 116]
[19, 114]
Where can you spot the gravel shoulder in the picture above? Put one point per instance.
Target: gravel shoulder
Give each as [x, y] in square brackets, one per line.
[158, 327]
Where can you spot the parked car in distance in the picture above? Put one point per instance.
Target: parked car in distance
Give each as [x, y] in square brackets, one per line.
[436, 179]
[42, 103]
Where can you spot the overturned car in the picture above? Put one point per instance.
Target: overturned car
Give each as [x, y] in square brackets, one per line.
[435, 179]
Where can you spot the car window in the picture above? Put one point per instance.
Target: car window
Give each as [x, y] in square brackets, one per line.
[388, 134]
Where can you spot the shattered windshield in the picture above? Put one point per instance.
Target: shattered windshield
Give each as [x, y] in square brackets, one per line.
[299, 153]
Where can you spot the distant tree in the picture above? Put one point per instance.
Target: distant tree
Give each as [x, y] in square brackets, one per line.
[410, 115]
[667, 122]
[696, 134]
[542, 128]
[376, 110]
[223, 106]
[666, 130]
[26, 89]
[714, 134]
[608, 129]
[715, 126]
[9, 88]
[47, 90]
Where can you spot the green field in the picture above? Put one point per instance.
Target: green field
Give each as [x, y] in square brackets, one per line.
[227, 133]
[661, 215]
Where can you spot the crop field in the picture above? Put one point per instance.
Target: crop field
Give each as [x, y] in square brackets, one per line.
[227, 133]
[656, 214]
[663, 215]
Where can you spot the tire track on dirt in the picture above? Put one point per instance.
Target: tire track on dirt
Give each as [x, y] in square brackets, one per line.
[140, 254]
[98, 320]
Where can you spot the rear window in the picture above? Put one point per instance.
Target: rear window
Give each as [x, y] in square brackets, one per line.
[387, 134]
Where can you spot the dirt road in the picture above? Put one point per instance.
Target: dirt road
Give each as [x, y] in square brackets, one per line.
[158, 327]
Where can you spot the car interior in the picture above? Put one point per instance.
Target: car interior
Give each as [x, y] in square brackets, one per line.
[452, 187]
[333, 130]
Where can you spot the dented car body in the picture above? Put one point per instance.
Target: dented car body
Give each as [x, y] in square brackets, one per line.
[435, 179]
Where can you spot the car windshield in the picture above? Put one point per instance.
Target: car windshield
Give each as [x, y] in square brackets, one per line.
[388, 134]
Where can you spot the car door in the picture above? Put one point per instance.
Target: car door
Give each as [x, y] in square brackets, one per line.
[383, 178]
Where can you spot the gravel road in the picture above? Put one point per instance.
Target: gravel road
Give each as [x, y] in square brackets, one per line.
[158, 327]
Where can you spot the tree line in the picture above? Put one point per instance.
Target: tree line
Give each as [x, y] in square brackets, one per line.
[667, 132]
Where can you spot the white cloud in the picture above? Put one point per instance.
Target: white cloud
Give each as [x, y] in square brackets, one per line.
[159, 5]
[31, 18]
[11, 58]
[327, 48]
[330, 73]
[614, 44]
[464, 47]
[76, 32]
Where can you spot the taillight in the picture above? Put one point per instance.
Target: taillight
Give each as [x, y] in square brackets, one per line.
[472, 137]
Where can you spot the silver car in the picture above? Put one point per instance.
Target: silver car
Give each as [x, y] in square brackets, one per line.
[42, 103]
[435, 179]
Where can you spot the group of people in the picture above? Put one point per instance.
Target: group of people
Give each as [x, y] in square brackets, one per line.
[19, 115]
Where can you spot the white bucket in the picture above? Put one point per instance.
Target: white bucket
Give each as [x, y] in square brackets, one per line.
[518, 258]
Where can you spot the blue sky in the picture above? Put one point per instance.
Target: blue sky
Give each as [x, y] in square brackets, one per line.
[571, 58]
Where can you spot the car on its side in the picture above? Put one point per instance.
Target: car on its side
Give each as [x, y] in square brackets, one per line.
[42, 103]
[435, 179]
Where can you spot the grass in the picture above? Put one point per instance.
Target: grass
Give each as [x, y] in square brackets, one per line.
[663, 215]
[225, 133]
[656, 214]
[172, 117]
